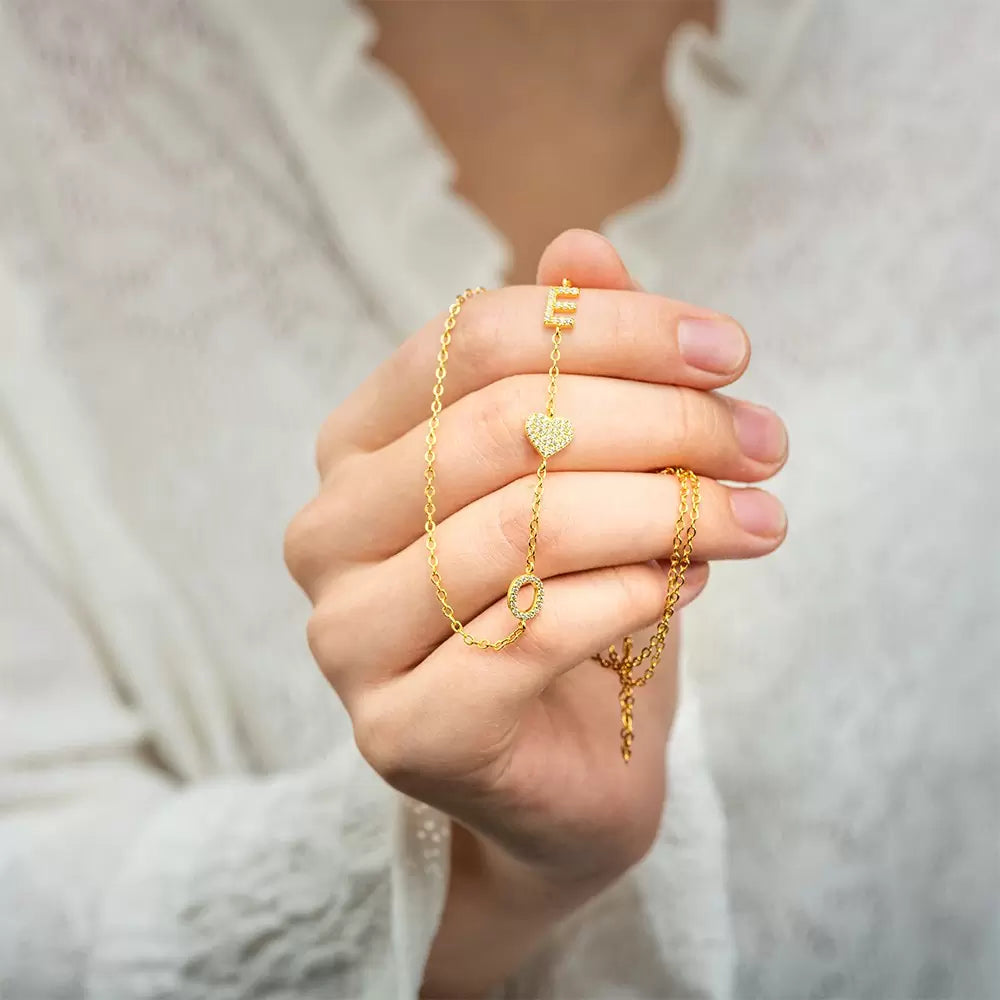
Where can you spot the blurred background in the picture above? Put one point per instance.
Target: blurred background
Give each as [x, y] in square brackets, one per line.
[216, 218]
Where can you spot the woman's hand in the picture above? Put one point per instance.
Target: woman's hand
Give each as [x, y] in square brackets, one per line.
[521, 745]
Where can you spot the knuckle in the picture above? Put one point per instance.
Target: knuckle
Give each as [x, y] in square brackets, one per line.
[482, 337]
[500, 421]
[379, 739]
[545, 642]
[332, 446]
[550, 530]
[300, 541]
[344, 599]
[325, 447]
[324, 633]
[316, 539]
[626, 326]
[685, 421]
[513, 521]
[714, 421]
[665, 318]
[702, 421]
[635, 586]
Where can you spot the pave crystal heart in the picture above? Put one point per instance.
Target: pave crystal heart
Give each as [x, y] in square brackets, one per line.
[548, 434]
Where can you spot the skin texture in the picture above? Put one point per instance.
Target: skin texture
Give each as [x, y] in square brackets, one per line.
[521, 746]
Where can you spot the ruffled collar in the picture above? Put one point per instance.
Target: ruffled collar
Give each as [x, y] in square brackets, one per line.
[385, 180]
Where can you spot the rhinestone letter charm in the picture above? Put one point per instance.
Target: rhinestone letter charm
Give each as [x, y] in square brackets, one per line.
[525, 580]
[561, 305]
[548, 434]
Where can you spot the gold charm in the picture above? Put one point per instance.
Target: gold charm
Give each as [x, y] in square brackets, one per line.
[524, 580]
[626, 663]
[560, 306]
[548, 434]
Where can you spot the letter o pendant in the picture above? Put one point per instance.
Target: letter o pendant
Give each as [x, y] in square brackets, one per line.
[515, 588]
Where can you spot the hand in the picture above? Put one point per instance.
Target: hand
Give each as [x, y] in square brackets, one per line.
[521, 745]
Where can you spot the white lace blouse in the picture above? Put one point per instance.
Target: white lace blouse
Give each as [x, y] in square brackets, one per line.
[199, 204]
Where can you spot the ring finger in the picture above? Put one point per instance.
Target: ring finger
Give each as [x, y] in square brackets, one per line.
[589, 521]
[618, 425]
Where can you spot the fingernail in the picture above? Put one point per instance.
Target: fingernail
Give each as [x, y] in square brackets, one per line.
[758, 512]
[714, 345]
[759, 431]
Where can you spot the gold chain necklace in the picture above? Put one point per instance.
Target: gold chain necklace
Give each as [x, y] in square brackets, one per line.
[625, 664]
[548, 435]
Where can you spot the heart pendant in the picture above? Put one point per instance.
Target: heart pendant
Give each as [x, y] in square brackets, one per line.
[548, 434]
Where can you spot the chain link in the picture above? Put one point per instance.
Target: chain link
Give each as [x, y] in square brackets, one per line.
[625, 663]
[550, 406]
[430, 479]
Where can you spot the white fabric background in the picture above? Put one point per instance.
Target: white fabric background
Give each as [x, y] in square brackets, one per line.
[198, 207]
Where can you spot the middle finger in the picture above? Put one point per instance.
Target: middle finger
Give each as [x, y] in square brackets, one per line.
[620, 426]
[590, 520]
[633, 335]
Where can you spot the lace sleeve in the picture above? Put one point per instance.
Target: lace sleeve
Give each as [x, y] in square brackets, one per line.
[664, 930]
[324, 882]
[117, 879]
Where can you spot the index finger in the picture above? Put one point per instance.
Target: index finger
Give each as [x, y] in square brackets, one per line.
[622, 334]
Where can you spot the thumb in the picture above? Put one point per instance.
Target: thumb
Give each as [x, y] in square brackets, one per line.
[587, 259]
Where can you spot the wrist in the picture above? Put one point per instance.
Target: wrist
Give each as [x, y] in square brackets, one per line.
[542, 892]
[498, 911]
